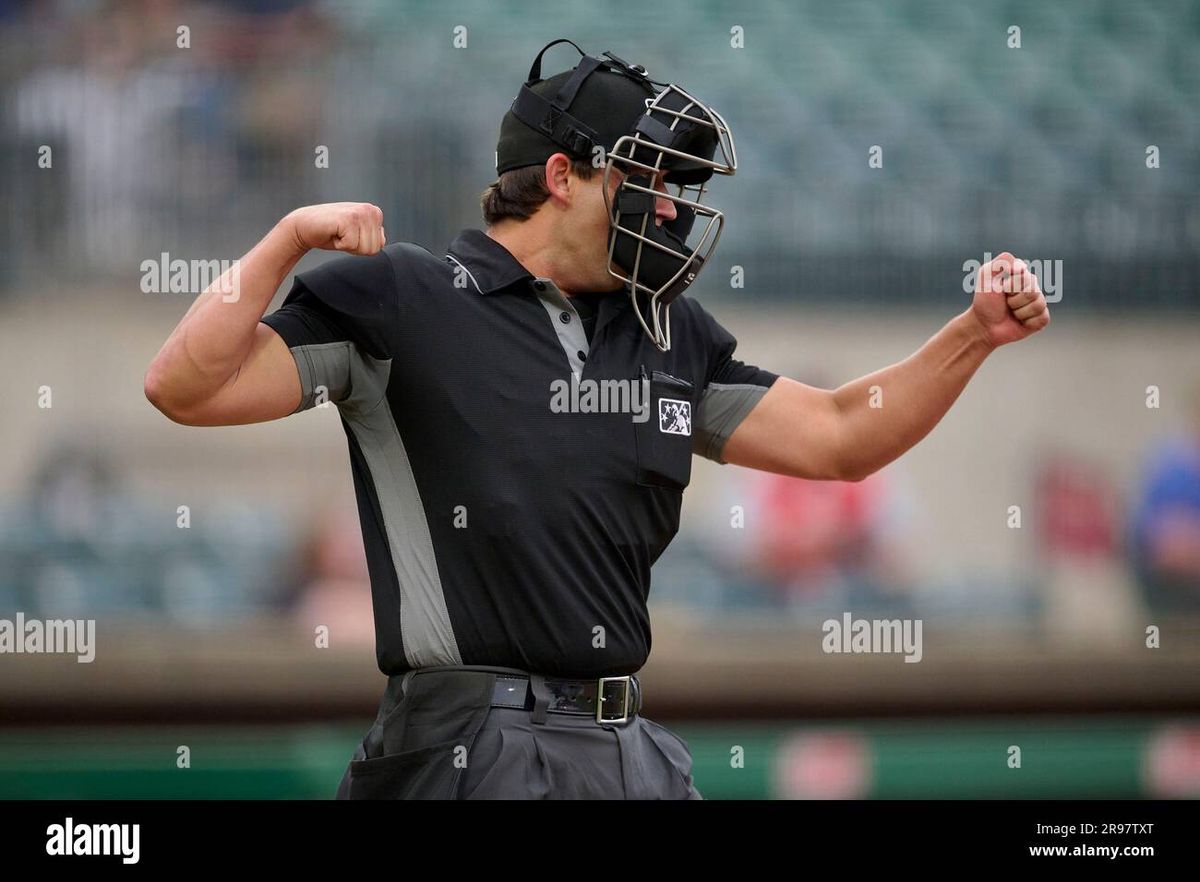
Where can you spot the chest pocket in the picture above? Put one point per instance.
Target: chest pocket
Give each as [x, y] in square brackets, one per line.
[664, 440]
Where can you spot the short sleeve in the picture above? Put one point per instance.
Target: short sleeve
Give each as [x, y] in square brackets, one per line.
[731, 390]
[336, 313]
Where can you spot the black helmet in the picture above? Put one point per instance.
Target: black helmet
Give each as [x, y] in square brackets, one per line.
[610, 112]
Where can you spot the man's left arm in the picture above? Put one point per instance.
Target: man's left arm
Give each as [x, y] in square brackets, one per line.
[850, 432]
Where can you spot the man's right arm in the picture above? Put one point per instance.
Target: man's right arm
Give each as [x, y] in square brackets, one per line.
[221, 366]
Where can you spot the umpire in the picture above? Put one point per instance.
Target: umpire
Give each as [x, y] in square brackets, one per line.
[521, 413]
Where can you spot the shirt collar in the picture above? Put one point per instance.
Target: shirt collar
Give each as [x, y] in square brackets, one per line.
[488, 264]
[491, 267]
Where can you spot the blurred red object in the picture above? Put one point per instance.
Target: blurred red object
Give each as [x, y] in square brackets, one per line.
[1076, 509]
[824, 765]
[336, 591]
[811, 530]
[1171, 763]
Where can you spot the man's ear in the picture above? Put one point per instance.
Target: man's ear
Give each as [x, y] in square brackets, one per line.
[560, 179]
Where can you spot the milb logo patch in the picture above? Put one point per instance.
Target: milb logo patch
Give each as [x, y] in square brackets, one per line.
[674, 416]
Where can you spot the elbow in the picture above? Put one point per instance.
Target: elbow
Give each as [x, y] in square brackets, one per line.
[152, 385]
[158, 392]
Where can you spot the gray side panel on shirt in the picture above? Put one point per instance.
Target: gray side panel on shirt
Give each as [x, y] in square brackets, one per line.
[722, 409]
[358, 383]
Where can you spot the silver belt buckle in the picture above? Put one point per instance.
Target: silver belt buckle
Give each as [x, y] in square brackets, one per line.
[624, 700]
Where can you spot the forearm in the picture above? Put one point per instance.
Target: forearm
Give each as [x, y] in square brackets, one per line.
[885, 413]
[212, 340]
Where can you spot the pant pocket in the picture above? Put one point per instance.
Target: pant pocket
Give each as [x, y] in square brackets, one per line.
[430, 772]
[676, 758]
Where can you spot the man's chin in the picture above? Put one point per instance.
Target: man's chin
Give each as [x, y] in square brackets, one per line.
[610, 282]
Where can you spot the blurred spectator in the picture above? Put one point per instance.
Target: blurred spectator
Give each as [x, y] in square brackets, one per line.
[829, 543]
[335, 588]
[152, 139]
[1166, 523]
[1076, 509]
[1085, 587]
[102, 113]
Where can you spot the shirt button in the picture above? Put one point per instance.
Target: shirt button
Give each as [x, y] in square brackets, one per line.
[582, 355]
[564, 317]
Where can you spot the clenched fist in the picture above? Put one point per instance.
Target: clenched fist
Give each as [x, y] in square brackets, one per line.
[353, 227]
[1008, 301]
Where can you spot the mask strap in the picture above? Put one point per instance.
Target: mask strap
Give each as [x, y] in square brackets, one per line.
[535, 71]
[582, 71]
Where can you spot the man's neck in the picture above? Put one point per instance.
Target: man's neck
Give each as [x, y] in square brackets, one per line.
[527, 242]
[536, 248]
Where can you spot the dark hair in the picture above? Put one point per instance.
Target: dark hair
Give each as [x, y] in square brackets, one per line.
[520, 192]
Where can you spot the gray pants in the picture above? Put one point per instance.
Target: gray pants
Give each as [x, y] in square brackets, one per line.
[437, 737]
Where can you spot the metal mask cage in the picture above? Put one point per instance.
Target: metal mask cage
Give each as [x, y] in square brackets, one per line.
[622, 158]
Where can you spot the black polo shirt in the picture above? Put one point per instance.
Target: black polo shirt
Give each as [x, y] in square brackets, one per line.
[515, 481]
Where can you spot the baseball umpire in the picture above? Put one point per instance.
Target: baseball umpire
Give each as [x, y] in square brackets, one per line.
[521, 412]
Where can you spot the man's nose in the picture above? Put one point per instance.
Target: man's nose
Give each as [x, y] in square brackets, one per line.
[664, 209]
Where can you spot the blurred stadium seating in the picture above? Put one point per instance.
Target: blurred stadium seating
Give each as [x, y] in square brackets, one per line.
[202, 148]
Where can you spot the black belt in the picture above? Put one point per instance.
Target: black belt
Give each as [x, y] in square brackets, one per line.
[621, 697]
